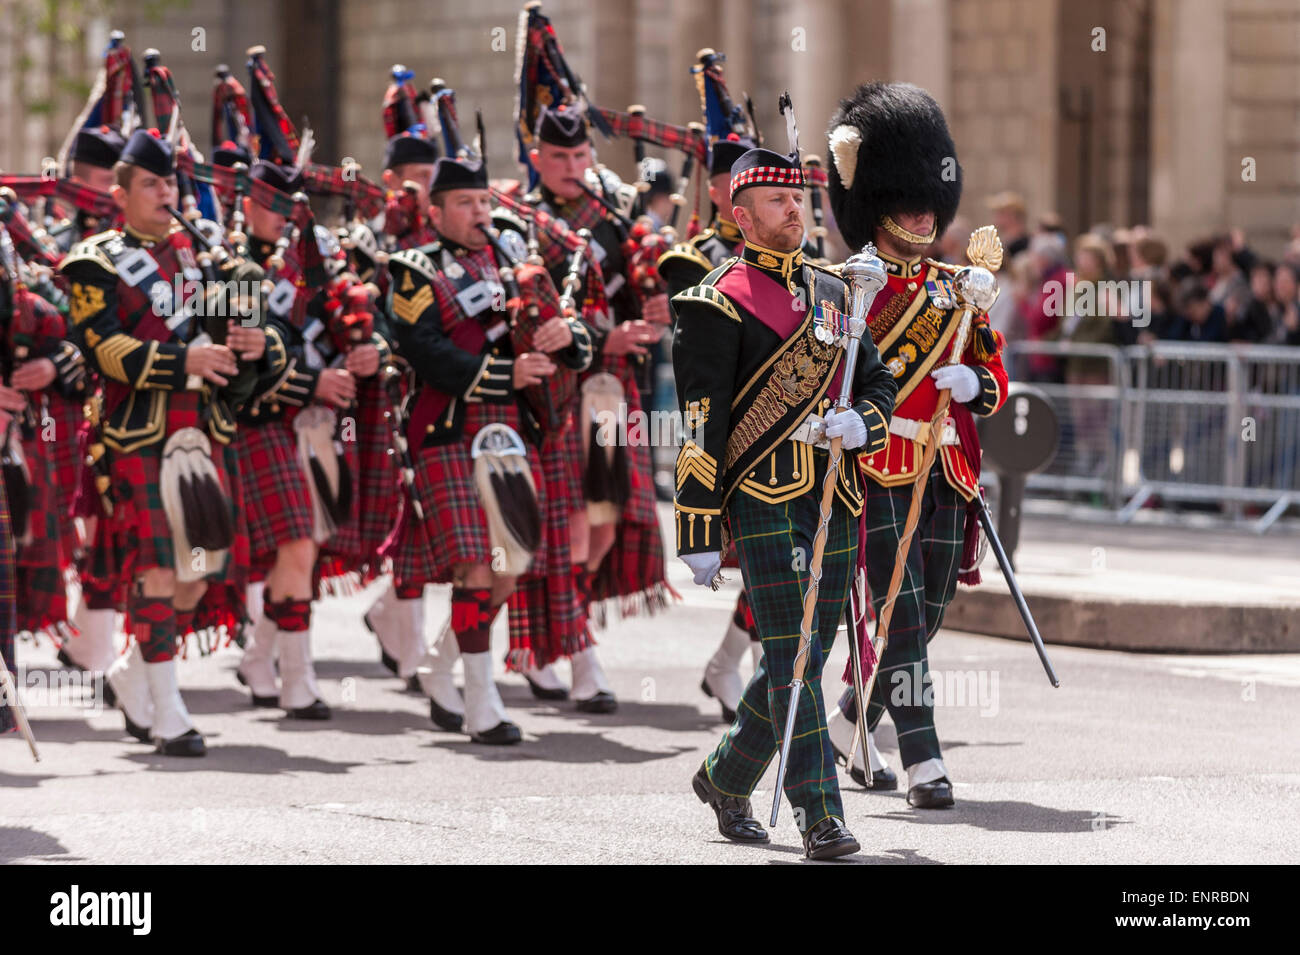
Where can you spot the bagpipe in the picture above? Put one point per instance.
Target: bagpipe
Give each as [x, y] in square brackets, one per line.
[531, 301]
[20, 335]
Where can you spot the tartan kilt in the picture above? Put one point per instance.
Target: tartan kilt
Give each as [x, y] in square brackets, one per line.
[634, 569]
[277, 499]
[547, 619]
[40, 561]
[455, 528]
[376, 486]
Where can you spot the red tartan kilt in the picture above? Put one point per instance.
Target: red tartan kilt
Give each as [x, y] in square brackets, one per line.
[139, 523]
[376, 484]
[455, 528]
[277, 499]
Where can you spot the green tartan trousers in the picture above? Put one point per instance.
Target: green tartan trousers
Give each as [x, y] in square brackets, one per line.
[903, 684]
[774, 543]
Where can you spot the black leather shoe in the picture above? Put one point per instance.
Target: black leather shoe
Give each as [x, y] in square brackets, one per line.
[932, 795]
[135, 729]
[413, 685]
[189, 743]
[602, 702]
[110, 695]
[67, 661]
[546, 693]
[503, 734]
[829, 839]
[886, 780]
[315, 710]
[445, 719]
[735, 815]
[728, 714]
[269, 701]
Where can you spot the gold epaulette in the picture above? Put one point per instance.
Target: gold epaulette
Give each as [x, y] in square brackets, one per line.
[686, 252]
[91, 250]
[416, 260]
[710, 296]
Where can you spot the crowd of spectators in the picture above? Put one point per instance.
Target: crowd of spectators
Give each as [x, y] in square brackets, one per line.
[1217, 289]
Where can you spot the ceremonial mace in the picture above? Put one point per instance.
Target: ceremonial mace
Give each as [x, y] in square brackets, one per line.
[866, 274]
[976, 289]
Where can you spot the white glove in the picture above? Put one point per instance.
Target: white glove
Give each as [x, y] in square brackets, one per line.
[705, 566]
[848, 426]
[960, 380]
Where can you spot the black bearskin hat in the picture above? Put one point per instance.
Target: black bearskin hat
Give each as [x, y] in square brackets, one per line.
[891, 152]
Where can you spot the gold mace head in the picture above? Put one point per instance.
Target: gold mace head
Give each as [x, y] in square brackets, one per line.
[985, 248]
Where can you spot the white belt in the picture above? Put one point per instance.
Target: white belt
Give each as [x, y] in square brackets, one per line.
[812, 431]
[920, 430]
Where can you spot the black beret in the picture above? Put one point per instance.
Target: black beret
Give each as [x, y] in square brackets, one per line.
[763, 167]
[286, 179]
[147, 149]
[229, 153]
[723, 153]
[458, 174]
[409, 148]
[97, 146]
[563, 126]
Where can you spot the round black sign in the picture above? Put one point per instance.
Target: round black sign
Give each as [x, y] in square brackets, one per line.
[1022, 437]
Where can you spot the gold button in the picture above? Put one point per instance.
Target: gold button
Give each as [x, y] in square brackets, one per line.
[911, 286]
[884, 470]
[446, 424]
[772, 481]
[275, 407]
[428, 429]
[795, 475]
[903, 469]
[751, 473]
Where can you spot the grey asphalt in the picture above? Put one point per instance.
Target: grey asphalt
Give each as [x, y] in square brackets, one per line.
[1137, 758]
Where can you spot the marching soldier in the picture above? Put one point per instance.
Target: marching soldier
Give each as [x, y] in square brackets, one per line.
[168, 425]
[94, 153]
[894, 181]
[622, 558]
[753, 381]
[288, 513]
[445, 304]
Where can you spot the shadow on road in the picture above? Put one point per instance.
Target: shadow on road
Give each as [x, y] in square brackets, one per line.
[248, 760]
[1004, 816]
[22, 843]
[578, 748]
[673, 717]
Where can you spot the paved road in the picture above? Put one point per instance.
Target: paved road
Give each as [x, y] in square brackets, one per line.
[1137, 758]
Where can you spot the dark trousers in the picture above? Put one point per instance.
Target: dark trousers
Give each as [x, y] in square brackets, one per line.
[774, 543]
[929, 582]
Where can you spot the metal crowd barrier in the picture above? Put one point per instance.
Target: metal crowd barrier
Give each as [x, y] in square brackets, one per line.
[1184, 422]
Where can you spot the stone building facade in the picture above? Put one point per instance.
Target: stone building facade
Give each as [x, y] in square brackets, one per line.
[1184, 114]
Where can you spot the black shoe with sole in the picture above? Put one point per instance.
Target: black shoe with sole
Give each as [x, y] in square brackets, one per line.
[546, 693]
[189, 743]
[735, 815]
[931, 795]
[829, 839]
[267, 701]
[504, 733]
[445, 719]
[135, 729]
[602, 702]
[728, 714]
[315, 710]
